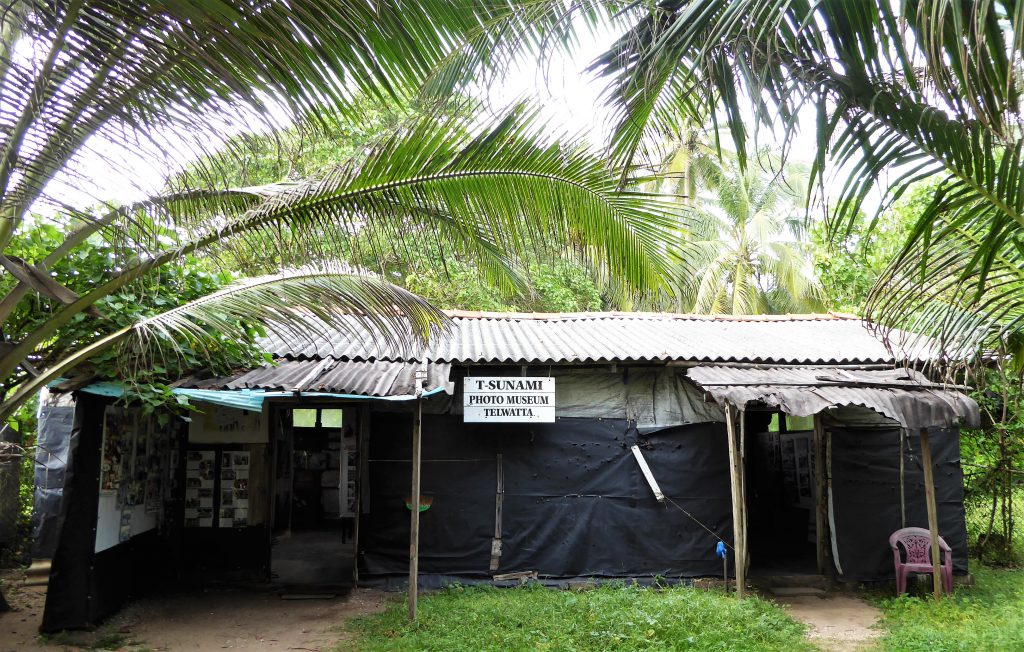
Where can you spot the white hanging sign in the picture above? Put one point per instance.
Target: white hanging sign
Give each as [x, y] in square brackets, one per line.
[508, 399]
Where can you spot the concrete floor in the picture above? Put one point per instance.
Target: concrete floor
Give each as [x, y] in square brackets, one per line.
[312, 557]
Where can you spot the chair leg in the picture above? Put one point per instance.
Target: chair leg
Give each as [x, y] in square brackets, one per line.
[901, 581]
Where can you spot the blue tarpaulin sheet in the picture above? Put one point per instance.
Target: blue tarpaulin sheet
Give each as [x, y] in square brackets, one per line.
[244, 399]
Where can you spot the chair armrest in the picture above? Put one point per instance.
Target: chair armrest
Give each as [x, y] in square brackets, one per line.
[896, 556]
[944, 547]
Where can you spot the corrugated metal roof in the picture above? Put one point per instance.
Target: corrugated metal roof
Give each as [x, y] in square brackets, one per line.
[900, 394]
[478, 338]
[333, 376]
[813, 375]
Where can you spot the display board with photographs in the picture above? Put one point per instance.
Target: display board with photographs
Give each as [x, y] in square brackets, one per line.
[118, 444]
[135, 459]
[217, 488]
[234, 489]
[200, 475]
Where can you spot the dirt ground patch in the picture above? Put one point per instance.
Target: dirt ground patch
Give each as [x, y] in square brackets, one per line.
[18, 628]
[200, 621]
[837, 623]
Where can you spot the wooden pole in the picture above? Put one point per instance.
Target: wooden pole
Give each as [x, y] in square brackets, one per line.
[821, 491]
[741, 431]
[933, 513]
[737, 516]
[414, 524]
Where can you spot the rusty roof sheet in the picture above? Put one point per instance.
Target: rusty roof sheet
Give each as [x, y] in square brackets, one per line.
[900, 394]
[481, 338]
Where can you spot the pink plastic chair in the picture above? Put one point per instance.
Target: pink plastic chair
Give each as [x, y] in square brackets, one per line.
[917, 546]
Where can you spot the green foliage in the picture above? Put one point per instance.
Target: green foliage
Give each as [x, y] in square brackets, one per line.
[892, 93]
[89, 265]
[485, 188]
[454, 284]
[25, 423]
[849, 264]
[563, 287]
[990, 546]
[988, 616]
[17, 549]
[291, 155]
[605, 618]
[993, 457]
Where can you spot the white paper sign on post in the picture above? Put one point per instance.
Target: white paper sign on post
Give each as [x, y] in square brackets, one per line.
[508, 399]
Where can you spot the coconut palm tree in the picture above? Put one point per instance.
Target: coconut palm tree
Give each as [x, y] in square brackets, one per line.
[894, 92]
[747, 229]
[84, 78]
[899, 92]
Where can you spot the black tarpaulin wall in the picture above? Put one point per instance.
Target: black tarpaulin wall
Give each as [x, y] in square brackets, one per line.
[575, 501]
[86, 586]
[866, 495]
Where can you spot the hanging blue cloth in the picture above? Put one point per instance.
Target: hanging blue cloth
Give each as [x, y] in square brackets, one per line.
[720, 550]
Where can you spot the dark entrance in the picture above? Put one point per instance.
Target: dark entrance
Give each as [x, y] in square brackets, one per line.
[780, 496]
[315, 497]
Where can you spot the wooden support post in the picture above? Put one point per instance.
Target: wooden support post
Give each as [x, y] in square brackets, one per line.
[499, 499]
[821, 491]
[741, 432]
[414, 525]
[737, 502]
[362, 483]
[933, 512]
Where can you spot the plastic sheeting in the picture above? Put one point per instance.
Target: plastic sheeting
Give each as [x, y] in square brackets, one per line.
[575, 502]
[56, 418]
[246, 399]
[866, 495]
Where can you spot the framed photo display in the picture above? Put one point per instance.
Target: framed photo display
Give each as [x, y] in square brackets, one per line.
[217, 488]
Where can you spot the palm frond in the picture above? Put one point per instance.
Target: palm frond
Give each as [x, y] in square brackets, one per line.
[303, 304]
[310, 305]
[958, 280]
[83, 73]
[502, 188]
[525, 31]
[490, 194]
[903, 92]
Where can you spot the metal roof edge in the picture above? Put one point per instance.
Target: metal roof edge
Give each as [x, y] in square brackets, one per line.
[583, 316]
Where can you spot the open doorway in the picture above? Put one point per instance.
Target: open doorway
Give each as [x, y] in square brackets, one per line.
[315, 497]
[781, 497]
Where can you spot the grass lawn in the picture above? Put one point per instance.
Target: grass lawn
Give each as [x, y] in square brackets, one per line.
[604, 618]
[988, 616]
